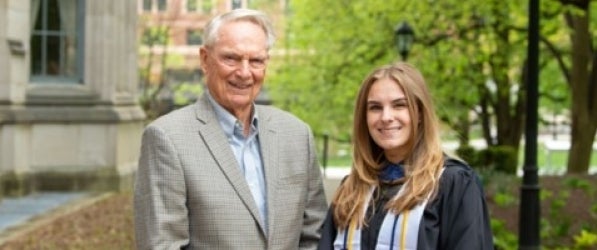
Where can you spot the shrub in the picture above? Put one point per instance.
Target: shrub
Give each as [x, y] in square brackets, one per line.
[502, 238]
[470, 155]
[586, 240]
[500, 158]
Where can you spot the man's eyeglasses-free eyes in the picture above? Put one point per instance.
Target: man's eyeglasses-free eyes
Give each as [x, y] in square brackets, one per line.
[256, 63]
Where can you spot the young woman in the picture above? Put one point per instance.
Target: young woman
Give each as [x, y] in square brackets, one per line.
[403, 192]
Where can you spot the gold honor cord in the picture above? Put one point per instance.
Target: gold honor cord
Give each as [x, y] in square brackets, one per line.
[403, 233]
[351, 229]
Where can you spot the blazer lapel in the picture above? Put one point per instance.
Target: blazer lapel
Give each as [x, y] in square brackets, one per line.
[215, 139]
[268, 141]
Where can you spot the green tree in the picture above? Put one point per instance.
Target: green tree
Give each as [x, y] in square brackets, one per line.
[156, 59]
[472, 53]
[466, 50]
[577, 62]
[476, 53]
[331, 46]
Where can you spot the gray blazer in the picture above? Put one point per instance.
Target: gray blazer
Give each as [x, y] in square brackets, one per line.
[190, 192]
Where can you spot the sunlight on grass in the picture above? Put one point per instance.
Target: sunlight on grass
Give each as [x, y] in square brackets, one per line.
[554, 161]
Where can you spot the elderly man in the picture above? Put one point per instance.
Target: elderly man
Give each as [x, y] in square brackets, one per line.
[225, 173]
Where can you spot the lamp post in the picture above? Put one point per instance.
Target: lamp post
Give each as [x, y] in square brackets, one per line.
[530, 208]
[404, 36]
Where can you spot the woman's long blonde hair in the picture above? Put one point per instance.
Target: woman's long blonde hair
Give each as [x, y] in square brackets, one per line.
[423, 162]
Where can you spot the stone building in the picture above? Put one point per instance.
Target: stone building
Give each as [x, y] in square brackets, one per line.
[69, 118]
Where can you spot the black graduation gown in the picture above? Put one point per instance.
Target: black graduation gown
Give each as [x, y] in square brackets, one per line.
[456, 219]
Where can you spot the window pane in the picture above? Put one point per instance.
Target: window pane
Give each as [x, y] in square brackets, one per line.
[36, 15]
[191, 5]
[53, 64]
[194, 37]
[147, 5]
[162, 5]
[36, 57]
[236, 4]
[54, 39]
[53, 20]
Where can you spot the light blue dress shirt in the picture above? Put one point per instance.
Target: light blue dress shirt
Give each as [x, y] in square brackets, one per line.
[247, 153]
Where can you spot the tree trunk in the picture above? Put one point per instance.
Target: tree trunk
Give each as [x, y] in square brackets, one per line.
[508, 122]
[583, 134]
[584, 115]
[464, 128]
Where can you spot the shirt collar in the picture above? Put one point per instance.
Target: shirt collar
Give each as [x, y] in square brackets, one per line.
[226, 119]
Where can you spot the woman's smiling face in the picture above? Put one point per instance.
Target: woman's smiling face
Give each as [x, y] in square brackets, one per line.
[388, 118]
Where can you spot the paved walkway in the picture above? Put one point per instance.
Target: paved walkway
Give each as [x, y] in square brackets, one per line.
[14, 211]
[19, 212]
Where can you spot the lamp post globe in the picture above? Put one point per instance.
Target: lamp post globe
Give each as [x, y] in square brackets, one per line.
[404, 36]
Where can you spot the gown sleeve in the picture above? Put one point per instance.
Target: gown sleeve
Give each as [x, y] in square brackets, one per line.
[328, 232]
[458, 218]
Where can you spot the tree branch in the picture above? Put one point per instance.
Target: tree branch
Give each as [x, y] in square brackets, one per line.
[430, 41]
[558, 56]
[582, 4]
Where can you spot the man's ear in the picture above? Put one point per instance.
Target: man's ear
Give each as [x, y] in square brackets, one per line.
[203, 58]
